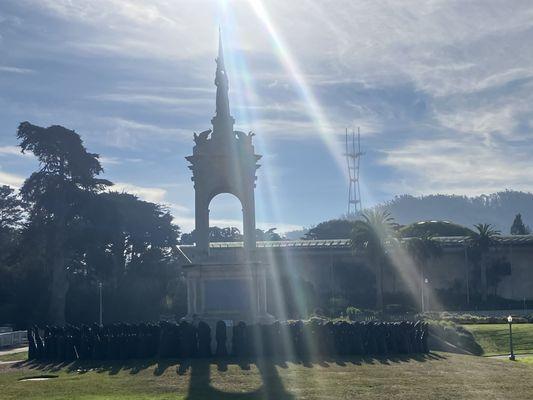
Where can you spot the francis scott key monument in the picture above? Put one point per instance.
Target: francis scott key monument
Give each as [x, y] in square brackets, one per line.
[231, 288]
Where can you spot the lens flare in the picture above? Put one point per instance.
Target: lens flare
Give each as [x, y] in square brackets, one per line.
[314, 109]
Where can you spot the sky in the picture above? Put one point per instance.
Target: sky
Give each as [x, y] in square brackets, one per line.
[441, 90]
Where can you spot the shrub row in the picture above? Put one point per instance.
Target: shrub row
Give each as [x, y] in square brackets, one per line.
[467, 319]
[287, 340]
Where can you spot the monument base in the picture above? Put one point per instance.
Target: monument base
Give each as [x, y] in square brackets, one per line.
[231, 292]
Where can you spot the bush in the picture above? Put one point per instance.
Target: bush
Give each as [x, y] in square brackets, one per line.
[453, 334]
[467, 319]
[354, 314]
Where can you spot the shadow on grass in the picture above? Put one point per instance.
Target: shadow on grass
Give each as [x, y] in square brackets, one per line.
[200, 381]
[272, 385]
[200, 371]
[112, 367]
[134, 366]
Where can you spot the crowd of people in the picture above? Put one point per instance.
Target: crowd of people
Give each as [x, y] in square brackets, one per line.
[288, 340]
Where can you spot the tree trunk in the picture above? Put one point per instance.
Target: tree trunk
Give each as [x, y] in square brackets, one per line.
[59, 289]
[484, 278]
[379, 284]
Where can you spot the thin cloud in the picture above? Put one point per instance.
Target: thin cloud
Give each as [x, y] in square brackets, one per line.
[12, 180]
[14, 151]
[151, 194]
[15, 70]
[441, 90]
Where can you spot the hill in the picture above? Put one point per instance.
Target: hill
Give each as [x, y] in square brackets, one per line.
[498, 209]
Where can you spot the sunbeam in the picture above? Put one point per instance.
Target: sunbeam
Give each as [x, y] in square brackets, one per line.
[327, 132]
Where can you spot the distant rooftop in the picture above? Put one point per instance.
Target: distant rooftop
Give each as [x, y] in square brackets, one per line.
[448, 241]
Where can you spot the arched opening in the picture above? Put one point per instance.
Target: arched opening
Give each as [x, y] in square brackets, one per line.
[225, 218]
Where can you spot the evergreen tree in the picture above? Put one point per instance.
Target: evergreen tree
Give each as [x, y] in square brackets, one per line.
[518, 227]
[56, 192]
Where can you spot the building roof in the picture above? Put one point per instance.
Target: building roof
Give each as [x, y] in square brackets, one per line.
[447, 241]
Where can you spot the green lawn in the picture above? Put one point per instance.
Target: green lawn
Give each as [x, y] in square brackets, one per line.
[527, 360]
[494, 338]
[437, 376]
[23, 355]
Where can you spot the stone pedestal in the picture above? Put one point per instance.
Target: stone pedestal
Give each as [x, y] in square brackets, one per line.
[231, 292]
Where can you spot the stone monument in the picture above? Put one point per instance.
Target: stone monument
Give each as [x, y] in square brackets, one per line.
[224, 161]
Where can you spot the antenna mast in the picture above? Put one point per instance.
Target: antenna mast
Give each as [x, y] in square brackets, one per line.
[353, 161]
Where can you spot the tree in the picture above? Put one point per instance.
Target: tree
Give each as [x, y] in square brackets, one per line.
[372, 234]
[434, 229]
[131, 246]
[11, 209]
[480, 242]
[269, 235]
[216, 234]
[518, 227]
[67, 175]
[11, 223]
[423, 249]
[332, 229]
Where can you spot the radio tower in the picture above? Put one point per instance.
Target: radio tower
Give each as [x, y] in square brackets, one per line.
[353, 161]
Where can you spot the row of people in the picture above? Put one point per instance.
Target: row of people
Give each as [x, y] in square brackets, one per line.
[291, 339]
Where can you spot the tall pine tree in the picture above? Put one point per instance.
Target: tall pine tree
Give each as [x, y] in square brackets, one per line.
[518, 227]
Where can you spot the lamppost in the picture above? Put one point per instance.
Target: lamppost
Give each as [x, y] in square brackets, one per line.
[510, 320]
[100, 295]
[423, 294]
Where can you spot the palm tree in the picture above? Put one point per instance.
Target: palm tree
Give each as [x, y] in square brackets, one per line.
[480, 242]
[371, 234]
[423, 249]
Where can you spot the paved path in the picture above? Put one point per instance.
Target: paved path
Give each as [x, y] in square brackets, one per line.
[13, 351]
[506, 356]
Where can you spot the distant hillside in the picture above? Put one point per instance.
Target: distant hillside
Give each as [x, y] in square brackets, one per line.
[498, 209]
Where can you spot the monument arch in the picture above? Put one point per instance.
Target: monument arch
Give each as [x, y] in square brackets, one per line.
[232, 288]
[223, 161]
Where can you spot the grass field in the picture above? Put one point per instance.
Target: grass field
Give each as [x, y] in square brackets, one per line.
[23, 355]
[437, 376]
[494, 338]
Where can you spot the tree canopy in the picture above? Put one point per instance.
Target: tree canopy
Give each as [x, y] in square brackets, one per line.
[435, 229]
[332, 229]
[230, 234]
[67, 232]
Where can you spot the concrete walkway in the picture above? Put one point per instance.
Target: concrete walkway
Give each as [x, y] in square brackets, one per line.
[506, 356]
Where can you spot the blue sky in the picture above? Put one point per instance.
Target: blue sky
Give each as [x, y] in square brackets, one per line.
[442, 91]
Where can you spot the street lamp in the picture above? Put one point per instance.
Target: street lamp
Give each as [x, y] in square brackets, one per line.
[510, 320]
[423, 295]
[100, 295]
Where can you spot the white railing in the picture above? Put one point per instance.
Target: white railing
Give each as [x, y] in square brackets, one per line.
[16, 338]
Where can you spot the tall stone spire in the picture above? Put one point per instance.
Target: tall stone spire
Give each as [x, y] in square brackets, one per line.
[222, 121]
[223, 161]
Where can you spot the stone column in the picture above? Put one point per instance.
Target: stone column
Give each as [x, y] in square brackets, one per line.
[190, 308]
[201, 209]
[263, 309]
[248, 210]
[194, 292]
